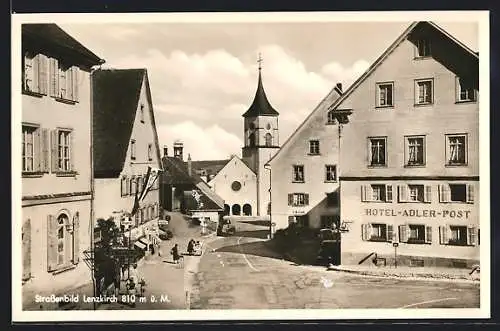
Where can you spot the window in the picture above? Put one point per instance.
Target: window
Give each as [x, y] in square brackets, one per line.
[376, 193]
[269, 139]
[132, 149]
[150, 152]
[124, 186]
[298, 174]
[415, 150]
[331, 117]
[330, 173]
[251, 139]
[465, 90]
[62, 241]
[298, 199]
[28, 139]
[414, 193]
[415, 234]
[35, 73]
[423, 48]
[133, 185]
[423, 91]
[458, 235]
[458, 192]
[142, 113]
[456, 149]
[139, 182]
[314, 147]
[385, 93]
[377, 232]
[64, 150]
[378, 151]
[63, 80]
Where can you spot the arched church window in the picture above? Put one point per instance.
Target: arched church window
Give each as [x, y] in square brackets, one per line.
[268, 126]
[269, 139]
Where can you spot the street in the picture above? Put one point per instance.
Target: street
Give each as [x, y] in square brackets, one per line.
[242, 272]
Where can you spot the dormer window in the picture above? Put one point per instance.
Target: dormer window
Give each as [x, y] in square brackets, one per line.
[142, 112]
[465, 90]
[331, 118]
[423, 48]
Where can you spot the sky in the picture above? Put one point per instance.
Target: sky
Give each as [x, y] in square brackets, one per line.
[203, 76]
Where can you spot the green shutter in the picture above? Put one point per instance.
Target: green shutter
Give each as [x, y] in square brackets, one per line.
[51, 243]
[35, 68]
[76, 238]
[42, 74]
[54, 77]
[403, 233]
[26, 240]
[390, 233]
[443, 235]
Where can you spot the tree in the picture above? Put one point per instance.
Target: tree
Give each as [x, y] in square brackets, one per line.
[105, 266]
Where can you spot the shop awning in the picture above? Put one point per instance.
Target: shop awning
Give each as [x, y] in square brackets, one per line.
[140, 244]
[145, 241]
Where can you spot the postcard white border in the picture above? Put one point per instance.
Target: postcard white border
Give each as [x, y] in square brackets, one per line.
[481, 17]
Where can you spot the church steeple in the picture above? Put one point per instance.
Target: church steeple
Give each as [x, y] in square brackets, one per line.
[260, 105]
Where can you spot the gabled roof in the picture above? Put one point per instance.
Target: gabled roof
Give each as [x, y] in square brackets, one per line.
[406, 33]
[229, 162]
[176, 174]
[52, 34]
[260, 105]
[116, 96]
[212, 167]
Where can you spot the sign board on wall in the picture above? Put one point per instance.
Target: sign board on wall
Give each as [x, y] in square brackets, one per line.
[425, 213]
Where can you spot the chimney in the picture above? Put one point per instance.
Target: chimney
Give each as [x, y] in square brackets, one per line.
[190, 168]
[339, 87]
[178, 147]
[165, 151]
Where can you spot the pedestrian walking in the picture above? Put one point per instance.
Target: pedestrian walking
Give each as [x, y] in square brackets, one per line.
[190, 247]
[159, 249]
[175, 253]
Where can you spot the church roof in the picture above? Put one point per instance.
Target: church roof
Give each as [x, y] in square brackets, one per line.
[260, 105]
[212, 167]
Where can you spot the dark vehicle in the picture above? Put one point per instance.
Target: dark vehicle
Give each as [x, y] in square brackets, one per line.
[166, 235]
[225, 228]
[329, 250]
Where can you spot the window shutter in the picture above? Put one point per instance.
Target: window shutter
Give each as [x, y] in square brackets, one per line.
[428, 234]
[306, 199]
[54, 77]
[403, 193]
[51, 243]
[69, 84]
[122, 186]
[36, 75]
[470, 193]
[471, 236]
[45, 150]
[443, 235]
[38, 162]
[444, 193]
[71, 151]
[403, 233]
[42, 74]
[127, 186]
[388, 193]
[390, 233]
[75, 78]
[427, 193]
[26, 239]
[76, 238]
[364, 232]
[365, 190]
[53, 146]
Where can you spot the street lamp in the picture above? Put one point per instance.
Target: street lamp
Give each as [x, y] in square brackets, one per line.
[267, 166]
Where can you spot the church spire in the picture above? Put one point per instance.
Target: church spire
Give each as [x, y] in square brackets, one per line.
[260, 105]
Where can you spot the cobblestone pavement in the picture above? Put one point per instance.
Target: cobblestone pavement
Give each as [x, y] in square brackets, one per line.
[242, 272]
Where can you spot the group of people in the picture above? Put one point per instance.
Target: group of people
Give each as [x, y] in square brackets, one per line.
[192, 247]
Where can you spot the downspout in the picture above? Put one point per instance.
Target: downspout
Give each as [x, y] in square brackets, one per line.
[267, 166]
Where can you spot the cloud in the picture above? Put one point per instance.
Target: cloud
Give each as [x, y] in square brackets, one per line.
[214, 88]
[345, 75]
[203, 143]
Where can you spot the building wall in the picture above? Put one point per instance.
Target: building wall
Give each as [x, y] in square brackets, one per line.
[444, 116]
[236, 170]
[296, 152]
[48, 193]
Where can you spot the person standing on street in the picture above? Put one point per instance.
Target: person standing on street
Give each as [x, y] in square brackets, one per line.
[175, 254]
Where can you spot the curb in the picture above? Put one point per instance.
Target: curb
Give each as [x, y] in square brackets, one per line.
[428, 277]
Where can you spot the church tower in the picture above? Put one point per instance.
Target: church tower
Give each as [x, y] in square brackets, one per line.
[261, 138]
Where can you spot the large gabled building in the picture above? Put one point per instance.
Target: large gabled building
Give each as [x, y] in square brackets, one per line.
[125, 145]
[56, 162]
[409, 156]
